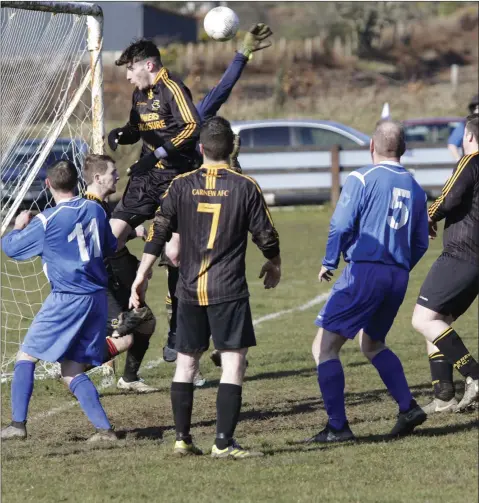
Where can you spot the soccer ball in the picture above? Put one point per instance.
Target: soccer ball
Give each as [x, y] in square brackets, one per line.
[221, 23]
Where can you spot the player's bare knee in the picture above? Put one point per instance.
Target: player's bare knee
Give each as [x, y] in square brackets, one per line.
[327, 346]
[233, 364]
[369, 347]
[186, 366]
[21, 356]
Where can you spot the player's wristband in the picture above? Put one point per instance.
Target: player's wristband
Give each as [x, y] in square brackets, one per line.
[160, 153]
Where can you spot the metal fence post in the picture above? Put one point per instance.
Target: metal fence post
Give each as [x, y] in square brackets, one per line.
[335, 169]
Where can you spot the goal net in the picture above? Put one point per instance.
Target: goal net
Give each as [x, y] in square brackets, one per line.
[52, 108]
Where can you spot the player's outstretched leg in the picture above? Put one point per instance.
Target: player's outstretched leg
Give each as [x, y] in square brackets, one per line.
[391, 371]
[228, 406]
[87, 395]
[169, 351]
[182, 403]
[436, 330]
[21, 393]
[326, 347]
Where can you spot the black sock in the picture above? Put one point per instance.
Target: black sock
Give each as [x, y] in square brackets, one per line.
[134, 357]
[228, 406]
[441, 375]
[182, 403]
[452, 347]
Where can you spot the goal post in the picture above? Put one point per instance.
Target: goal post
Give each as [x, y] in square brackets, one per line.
[51, 90]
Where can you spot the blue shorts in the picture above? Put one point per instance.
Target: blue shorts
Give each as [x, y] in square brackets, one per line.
[366, 296]
[69, 327]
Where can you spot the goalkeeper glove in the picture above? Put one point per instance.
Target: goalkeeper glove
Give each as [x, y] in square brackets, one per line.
[234, 163]
[126, 135]
[252, 40]
[144, 164]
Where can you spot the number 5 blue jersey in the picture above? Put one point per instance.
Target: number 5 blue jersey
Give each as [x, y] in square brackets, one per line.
[73, 238]
[381, 217]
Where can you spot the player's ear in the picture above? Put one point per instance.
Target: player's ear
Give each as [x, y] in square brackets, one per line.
[202, 150]
[47, 183]
[371, 146]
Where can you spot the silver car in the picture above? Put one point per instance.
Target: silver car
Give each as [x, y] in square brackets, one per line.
[291, 159]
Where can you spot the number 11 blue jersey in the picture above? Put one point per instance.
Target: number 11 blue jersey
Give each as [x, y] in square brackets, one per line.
[73, 239]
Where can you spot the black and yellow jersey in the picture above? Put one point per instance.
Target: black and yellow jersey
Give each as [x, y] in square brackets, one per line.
[459, 205]
[213, 208]
[165, 116]
[101, 202]
[121, 267]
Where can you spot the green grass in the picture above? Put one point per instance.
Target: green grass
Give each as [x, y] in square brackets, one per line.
[281, 405]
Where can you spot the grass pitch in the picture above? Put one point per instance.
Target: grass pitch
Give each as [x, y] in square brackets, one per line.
[281, 405]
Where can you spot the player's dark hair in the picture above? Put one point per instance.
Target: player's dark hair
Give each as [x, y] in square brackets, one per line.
[63, 176]
[139, 51]
[217, 138]
[389, 139]
[472, 125]
[95, 164]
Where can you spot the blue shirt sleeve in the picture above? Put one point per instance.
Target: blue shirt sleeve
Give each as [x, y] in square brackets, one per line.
[420, 235]
[27, 243]
[456, 136]
[211, 103]
[344, 221]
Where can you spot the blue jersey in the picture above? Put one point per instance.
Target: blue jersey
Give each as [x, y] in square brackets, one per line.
[380, 217]
[73, 238]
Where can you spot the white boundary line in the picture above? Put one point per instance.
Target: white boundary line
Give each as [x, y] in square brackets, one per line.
[107, 381]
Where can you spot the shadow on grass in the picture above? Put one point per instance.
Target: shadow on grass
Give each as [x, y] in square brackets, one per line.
[303, 446]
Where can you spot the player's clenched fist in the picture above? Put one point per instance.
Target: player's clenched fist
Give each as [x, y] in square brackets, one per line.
[114, 138]
[22, 220]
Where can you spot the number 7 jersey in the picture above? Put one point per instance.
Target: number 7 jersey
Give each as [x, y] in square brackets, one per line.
[213, 209]
[72, 239]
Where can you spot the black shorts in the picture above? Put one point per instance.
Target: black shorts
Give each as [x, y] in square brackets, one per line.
[450, 287]
[114, 310]
[229, 323]
[142, 196]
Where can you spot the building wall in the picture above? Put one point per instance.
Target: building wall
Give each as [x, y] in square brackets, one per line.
[166, 27]
[123, 22]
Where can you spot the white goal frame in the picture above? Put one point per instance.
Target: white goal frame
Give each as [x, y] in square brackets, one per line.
[94, 77]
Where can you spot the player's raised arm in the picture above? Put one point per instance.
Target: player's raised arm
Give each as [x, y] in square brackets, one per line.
[265, 236]
[343, 221]
[461, 181]
[26, 239]
[217, 96]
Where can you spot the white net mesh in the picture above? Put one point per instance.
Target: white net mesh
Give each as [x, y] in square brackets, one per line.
[45, 88]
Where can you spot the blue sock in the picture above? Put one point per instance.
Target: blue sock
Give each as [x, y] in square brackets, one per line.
[87, 395]
[392, 373]
[331, 383]
[22, 388]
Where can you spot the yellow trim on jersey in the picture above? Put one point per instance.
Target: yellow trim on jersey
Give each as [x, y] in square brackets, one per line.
[446, 332]
[183, 175]
[210, 179]
[151, 231]
[92, 197]
[203, 282]
[449, 184]
[270, 218]
[184, 110]
[159, 75]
